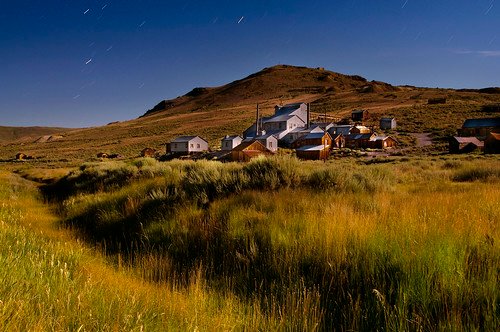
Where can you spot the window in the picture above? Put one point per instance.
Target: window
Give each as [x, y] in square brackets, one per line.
[198, 146]
[175, 145]
[270, 144]
[227, 144]
[192, 145]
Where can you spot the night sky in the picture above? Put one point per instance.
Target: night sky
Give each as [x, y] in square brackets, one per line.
[87, 63]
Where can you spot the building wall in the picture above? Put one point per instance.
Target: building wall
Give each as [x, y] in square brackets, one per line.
[229, 144]
[270, 142]
[194, 145]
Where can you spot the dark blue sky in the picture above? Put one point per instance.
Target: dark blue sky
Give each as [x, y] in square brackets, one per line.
[86, 63]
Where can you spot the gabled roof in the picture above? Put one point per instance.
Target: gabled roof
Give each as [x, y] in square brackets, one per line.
[359, 136]
[464, 140]
[230, 138]
[315, 135]
[312, 148]
[246, 144]
[495, 136]
[288, 108]
[381, 138]
[185, 139]
[317, 129]
[267, 135]
[280, 118]
[482, 122]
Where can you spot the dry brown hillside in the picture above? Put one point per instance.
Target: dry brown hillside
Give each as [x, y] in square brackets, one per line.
[229, 109]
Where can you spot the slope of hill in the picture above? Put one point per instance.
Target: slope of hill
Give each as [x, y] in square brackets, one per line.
[9, 134]
[230, 109]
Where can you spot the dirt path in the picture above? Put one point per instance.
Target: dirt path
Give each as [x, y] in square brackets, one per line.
[423, 139]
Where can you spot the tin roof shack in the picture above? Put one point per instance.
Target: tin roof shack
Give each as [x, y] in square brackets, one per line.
[382, 142]
[359, 141]
[187, 145]
[314, 146]
[492, 143]
[465, 144]
[230, 142]
[360, 115]
[480, 128]
[248, 150]
[388, 123]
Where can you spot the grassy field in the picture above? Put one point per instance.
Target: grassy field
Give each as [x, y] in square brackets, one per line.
[50, 281]
[389, 244]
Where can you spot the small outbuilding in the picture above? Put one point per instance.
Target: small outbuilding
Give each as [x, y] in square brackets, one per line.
[102, 155]
[248, 150]
[387, 123]
[360, 115]
[187, 144]
[230, 142]
[492, 143]
[382, 142]
[465, 144]
[480, 127]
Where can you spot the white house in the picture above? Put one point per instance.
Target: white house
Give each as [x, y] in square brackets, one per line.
[230, 142]
[285, 119]
[188, 144]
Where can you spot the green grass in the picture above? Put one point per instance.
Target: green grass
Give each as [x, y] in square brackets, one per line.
[407, 245]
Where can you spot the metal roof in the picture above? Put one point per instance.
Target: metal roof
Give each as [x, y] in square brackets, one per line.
[463, 140]
[482, 122]
[230, 138]
[358, 136]
[315, 135]
[280, 118]
[312, 148]
[184, 139]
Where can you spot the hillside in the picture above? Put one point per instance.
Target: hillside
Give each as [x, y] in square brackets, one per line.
[9, 134]
[213, 112]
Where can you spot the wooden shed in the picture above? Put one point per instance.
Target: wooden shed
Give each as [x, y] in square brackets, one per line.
[465, 144]
[248, 150]
[492, 143]
[388, 123]
[359, 115]
[382, 142]
[480, 127]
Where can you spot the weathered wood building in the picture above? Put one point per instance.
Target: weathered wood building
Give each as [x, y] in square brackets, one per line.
[480, 127]
[465, 144]
[492, 143]
[360, 115]
[388, 123]
[248, 150]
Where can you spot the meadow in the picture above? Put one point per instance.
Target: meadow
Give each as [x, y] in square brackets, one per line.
[392, 243]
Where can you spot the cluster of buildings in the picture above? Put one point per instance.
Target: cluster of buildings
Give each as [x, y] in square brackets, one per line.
[481, 134]
[291, 127]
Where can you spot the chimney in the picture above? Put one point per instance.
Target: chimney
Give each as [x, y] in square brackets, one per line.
[308, 115]
[257, 129]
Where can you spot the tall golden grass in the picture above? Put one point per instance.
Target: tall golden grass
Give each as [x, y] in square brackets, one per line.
[407, 244]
